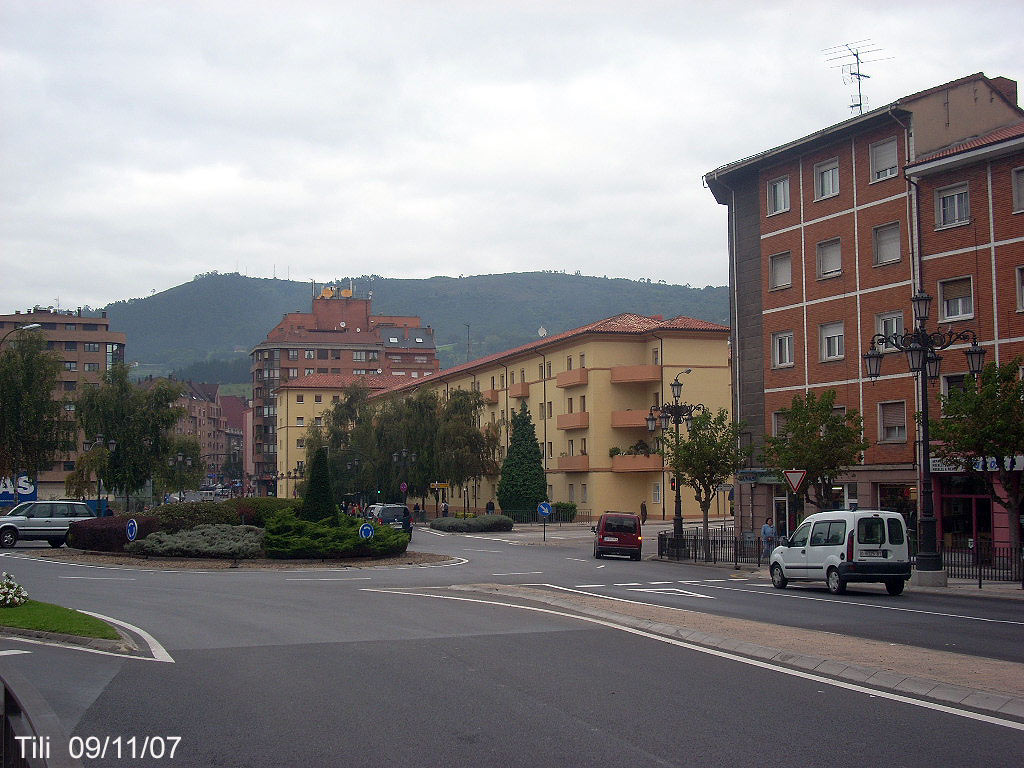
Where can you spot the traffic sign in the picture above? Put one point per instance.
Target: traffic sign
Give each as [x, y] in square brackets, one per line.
[404, 487]
[365, 531]
[438, 486]
[132, 529]
[544, 509]
[795, 478]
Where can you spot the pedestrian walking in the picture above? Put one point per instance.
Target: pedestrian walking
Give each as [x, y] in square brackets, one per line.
[490, 507]
[444, 509]
[643, 512]
[416, 512]
[768, 537]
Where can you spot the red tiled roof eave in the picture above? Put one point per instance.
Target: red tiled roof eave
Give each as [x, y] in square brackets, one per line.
[1006, 133]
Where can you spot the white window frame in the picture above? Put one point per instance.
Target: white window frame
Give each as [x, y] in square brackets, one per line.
[778, 421]
[656, 493]
[778, 258]
[828, 169]
[822, 275]
[945, 380]
[300, 421]
[782, 350]
[783, 206]
[888, 323]
[1020, 288]
[826, 331]
[963, 313]
[881, 174]
[899, 435]
[879, 262]
[962, 213]
[1017, 182]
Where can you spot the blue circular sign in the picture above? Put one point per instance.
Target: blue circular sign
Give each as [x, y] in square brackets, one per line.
[365, 531]
[543, 509]
[132, 529]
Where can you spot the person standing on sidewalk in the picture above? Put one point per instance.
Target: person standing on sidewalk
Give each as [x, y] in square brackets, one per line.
[643, 512]
[768, 537]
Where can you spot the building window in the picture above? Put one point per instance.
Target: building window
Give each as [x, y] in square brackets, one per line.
[300, 421]
[572, 448]
[831, 336]
[69, 407]
[778, 423]
[69, 386]
[300, 398]
[830, 262]
[953, 381]
[583, 364]
[568, 363]
[583, 493]
[310, 354]
[91, 367]
[583, 403]
[1017, 181]
[782, 349]
[91, 346]
[547, 368]
[70, 365]
[572, 494]
[887, 243]
[359, 356]
[293, 373]
[568, 405]
[884, 160]
[888, 323]
[293, 354]
[335, 398]
[892, 419]
[781, 270]
[549, 409]
[318, 398]
[300, 442]
[551, 450]
[656, 493]
[826, 179]
[955, 300]
[70, 346]
[583, 446]
[319, 421]
[952, 206]
[308, 371]
[778, 195]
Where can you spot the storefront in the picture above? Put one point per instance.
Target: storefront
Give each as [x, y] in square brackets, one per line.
[965, 511]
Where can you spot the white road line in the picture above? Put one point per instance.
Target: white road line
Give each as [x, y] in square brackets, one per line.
[780, 593]
[616, 599]
[672, 591]
[627, 584]
[518, 573]
[581, 586]
[159, 652]
[496, 551]
[428, 530]
[600, 566]
[353, 578]
[81, 648]
[740, 659]
[100, 578]
[13, 652]
[458, 561]
[659, 582]
[578, 559]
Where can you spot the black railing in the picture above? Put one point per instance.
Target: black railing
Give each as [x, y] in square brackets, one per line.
[983, 562]
[33, 737]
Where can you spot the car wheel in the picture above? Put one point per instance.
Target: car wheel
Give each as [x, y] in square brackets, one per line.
[597, 552]
[57, 542]
[635, 557]
[779, 580]
[836, 583]
[8, 537]
[894, 586]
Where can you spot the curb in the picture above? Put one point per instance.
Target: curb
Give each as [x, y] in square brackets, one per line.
[991, 702]
[125, 646]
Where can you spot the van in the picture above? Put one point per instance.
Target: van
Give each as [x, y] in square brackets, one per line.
[618, 533]
[845, 546]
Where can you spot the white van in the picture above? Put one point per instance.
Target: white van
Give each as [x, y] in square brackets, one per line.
[844, 546]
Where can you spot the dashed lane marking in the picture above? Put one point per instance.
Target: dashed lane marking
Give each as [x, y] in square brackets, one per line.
[496, 551]
[518, 573]
[13, 652]
[100, 578]
[353, 578]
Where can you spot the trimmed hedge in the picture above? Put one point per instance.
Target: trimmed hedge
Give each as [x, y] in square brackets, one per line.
[185, 515]
[221, 541]
[255, 510]
[482, 524]
[108, 534]
[287, 536]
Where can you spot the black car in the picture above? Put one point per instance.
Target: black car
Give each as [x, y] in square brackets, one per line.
[391, 515]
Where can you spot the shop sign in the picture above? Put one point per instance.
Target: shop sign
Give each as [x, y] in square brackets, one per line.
[989, 464]
[22, 484]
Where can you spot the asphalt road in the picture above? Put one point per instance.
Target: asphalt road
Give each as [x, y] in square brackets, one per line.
[317, 668]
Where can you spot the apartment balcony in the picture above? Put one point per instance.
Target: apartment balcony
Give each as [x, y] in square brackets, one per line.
[574, 378]
[579, 420]
[624, 463]
[574, 463]
[629, 419]
[522, 389]
[630, 374]
[490, 396]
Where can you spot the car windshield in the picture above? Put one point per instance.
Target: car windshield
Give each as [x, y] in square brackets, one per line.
[620, 525]
[871, 530]
[20, 509]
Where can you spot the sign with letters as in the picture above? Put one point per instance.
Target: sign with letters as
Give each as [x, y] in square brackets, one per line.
[17, 489]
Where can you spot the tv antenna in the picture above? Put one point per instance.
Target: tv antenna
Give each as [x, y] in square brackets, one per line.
[850, 57]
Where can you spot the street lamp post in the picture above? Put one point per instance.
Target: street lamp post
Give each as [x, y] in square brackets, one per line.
[675, 413]
[402, 460]
[921, 347]
[110, 446]
[179, 463]
[15, 329]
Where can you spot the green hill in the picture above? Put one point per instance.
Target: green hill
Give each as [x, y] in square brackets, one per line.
[215, 319]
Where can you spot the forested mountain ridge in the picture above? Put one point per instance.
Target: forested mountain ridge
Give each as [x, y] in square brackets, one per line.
[222, 316]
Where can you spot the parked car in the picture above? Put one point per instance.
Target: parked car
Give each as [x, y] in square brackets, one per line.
[618, 533]
[392, 515]
[845, 546]
[41, 520]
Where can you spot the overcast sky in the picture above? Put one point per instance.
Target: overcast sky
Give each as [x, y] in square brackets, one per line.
[142, 142]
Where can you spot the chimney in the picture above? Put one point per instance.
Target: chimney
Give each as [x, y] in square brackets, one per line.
[1007, 87]
[79, 311]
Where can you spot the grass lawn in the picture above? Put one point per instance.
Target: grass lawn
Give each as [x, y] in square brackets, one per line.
[53, 618]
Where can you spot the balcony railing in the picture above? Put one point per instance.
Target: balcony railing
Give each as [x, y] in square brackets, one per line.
[490, 396]
[574, 378]
[629, 419]
[522, 389]
[579, 420]
[640, 463]
[574, 463]
[629, 374]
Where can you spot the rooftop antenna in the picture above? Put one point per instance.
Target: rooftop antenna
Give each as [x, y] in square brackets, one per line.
[850, 56]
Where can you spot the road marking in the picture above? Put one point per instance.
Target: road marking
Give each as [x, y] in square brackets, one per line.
[578, 559]
[13, 652]
[159, 652]
[672, 591]
[100, 578]
[616, 599]
[659, 582]
[780, 593]
[497, 551]
[458, 561]
[580, 586]
[874, 692]
[627, 584]
[491, 538]
[518, 573]
[600, 566]
[353, 578]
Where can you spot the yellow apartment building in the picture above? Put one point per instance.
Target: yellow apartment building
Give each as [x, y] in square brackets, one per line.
[589, 391]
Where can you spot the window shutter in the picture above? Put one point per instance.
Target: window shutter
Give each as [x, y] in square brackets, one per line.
[885, 158]
[893, 415]
[956, 289]
[887, 243]
[829, 261]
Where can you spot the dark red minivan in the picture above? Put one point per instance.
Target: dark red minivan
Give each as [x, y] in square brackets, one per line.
[618, 533]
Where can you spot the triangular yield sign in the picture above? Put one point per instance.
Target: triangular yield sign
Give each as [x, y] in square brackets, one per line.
[795, 478]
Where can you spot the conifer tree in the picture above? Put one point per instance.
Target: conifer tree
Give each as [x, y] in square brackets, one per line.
[318, 501]
[522, 485]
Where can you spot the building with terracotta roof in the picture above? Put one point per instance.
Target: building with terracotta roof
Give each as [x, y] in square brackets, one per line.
[87, 348]
[829, 237]
[589, 391]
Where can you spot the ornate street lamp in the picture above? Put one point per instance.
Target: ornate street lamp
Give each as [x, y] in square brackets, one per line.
[15, 329]
[921, 347]
[675, 413]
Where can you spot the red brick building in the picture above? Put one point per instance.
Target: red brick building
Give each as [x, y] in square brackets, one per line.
[829, 237]
[339, 337]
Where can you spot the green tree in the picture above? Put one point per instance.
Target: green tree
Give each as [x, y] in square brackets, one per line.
[985, 420]
[460, 447]
[34, 428]
[318, 498]
[815, 436]
[706, 457]
[522, 485]
[174, 476]
[137, 420]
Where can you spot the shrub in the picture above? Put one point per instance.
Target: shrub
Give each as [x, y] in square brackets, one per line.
[222, 541]
[185, 515]
[288, 536]
[108, 534]
[563, 512]
[11, 592]
[464, 513]
[255, 510]
[481, 524]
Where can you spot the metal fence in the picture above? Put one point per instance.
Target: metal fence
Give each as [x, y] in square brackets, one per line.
[982, 562]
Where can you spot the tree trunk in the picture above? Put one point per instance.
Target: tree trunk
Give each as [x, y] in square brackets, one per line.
[705, 507]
